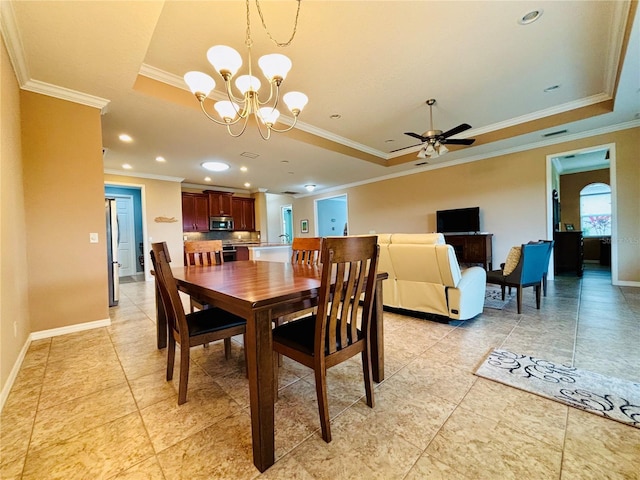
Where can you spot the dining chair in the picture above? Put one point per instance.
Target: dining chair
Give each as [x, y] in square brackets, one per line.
[306, 250]
[328, 338]
[202, 252]
[188, 330]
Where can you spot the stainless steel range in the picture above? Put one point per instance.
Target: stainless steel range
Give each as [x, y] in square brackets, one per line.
[229, 253]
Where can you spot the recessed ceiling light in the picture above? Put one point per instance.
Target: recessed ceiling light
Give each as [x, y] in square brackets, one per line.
[126, 166]
[160, 159]
[125, 138]
[207, 179]
[249, 155]
[243, 169]
[247, 184]
[391, 140]
[530, 17]
[215, 166]
[551, 88]
[284, 161]
[335, 116]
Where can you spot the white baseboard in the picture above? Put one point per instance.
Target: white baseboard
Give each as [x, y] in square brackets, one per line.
[14, 373]
[627, 283]
[54, 332]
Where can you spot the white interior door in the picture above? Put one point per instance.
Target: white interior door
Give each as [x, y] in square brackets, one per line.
[126, 243]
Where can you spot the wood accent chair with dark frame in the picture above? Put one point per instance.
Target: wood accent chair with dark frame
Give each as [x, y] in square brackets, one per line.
[188, 330]
[331, 336]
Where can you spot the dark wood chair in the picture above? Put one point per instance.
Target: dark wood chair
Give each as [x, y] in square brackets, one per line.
[528, 272]
[323, 340]
[188, 330]
[202, 252]
[306, 250]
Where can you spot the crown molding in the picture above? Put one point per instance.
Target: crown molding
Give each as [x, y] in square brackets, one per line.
[12, 40]
[63, 93]
[150, 176]
[475, 158]
[11, 36]
[176, 81]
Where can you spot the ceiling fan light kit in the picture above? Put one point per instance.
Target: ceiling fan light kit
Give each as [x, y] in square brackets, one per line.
[435, 139]
[227, 61]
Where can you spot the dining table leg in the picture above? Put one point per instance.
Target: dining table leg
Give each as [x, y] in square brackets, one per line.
[377, 337]
[258, 344]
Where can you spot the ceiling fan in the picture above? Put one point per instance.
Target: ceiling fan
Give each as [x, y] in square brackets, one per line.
[435, 139]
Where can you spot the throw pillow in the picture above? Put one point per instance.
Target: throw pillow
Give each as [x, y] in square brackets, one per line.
[512, 261]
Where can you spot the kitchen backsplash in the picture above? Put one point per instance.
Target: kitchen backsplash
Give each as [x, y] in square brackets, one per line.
[224, 236]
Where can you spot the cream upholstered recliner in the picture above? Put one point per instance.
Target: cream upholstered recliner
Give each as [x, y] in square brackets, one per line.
[424, 276]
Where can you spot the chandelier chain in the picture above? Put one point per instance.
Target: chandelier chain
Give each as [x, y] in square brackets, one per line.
[264, 25]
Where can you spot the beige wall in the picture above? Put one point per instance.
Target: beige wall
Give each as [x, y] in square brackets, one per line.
[13, 255]
[159, 199]
[510, 191]
[64, 201]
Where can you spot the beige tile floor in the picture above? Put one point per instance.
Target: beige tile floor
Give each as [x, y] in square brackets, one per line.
[95, 405]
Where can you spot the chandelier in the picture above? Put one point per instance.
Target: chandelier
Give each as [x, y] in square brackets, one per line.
[237, 109]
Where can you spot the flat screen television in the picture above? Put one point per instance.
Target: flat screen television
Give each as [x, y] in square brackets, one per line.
[459, 220]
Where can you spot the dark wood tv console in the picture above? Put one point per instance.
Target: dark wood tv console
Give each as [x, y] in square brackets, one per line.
[472, 248]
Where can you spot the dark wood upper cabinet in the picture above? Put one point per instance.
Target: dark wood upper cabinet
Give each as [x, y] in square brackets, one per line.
[243, 212]
[195, 212]
[219, 203]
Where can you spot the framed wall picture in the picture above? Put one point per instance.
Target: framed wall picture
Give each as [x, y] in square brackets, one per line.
[304, 226]
[569, 227]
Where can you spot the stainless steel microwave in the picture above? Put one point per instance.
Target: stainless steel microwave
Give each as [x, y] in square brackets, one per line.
[221, 223]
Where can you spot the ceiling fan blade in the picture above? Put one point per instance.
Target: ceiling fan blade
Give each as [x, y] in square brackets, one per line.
[461, 141]
[415, 135]
[455, 130]
[405, 148]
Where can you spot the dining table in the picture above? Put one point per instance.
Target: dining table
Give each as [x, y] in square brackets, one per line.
[260, 292]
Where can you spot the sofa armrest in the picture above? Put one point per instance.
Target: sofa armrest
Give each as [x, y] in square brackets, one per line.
[467, 299]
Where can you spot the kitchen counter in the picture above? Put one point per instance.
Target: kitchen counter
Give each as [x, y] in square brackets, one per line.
[271, 252]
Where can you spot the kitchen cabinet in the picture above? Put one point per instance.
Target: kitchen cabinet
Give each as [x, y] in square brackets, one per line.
[243, 211]
[219, 203]
[472, 248]
[195, 212]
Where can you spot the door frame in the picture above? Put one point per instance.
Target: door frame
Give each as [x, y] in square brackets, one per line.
[145, 238]
[614, 202]
[132, 227]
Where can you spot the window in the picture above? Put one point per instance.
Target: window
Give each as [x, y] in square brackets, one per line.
[595, 210]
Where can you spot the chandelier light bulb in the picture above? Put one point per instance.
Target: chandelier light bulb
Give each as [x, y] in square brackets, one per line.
[421, 153]
[247, 83]
[268, 115]
[430, 150]
[227, 110]
[224, 59]
[199, 82]
[296, 101]
[442, 150]
[275, 66]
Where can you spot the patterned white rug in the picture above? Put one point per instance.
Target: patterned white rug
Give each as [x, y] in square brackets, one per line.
[493, 298]
[609, 397]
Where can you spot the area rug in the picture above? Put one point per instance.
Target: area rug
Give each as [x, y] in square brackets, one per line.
[606, 396]
[493, 298]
